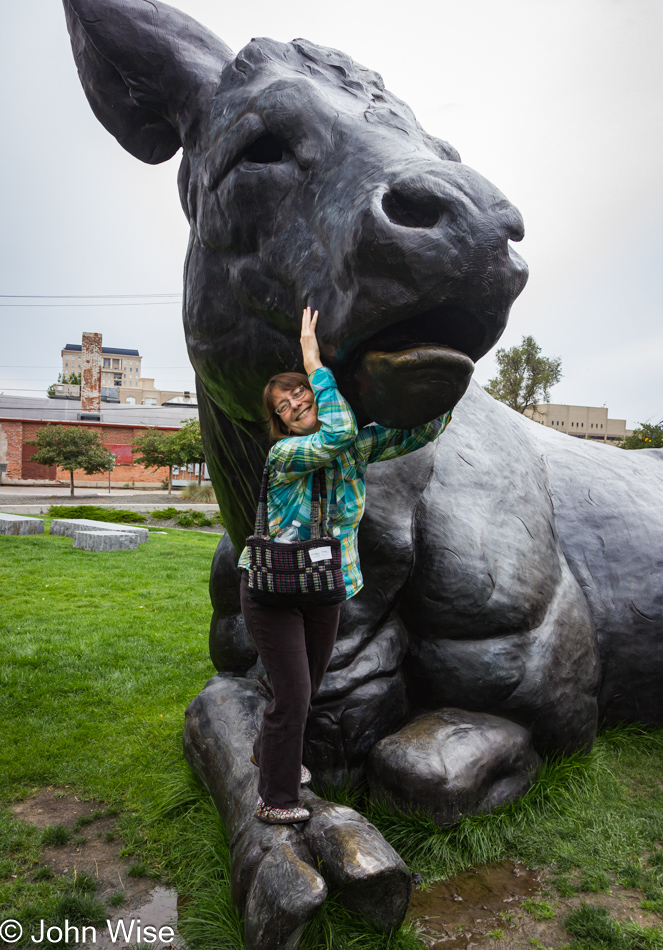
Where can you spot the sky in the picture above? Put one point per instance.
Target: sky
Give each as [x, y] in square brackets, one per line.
[557, 102]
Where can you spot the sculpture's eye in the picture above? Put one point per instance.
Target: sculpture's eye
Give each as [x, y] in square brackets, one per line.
[264, 151]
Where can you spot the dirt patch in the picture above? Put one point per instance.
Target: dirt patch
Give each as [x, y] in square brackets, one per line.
[93, 849]
[510, 907]
[55, 806]
[457, 913]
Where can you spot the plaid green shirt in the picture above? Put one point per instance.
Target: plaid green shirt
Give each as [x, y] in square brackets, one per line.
[344, 452]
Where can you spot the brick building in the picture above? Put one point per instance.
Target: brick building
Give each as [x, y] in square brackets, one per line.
[118, 421]
[16, 432]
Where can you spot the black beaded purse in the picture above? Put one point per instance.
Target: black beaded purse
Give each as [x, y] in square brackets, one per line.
[298, 573]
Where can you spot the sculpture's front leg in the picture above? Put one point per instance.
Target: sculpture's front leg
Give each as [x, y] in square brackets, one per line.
[273, 875]
[453, 763]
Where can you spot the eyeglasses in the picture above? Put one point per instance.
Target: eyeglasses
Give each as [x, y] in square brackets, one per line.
[284, 406]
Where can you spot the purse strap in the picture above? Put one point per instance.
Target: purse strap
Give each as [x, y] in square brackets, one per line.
[319, 506]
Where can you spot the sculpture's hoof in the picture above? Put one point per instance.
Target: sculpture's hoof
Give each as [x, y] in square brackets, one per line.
[364, 871]
[285, 894]
[453, 763]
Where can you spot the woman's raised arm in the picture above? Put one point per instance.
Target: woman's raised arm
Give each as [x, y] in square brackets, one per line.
[292, 457]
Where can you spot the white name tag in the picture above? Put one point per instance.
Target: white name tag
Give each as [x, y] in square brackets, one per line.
[320, 554]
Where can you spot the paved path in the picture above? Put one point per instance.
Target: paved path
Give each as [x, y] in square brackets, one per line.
[36, 501]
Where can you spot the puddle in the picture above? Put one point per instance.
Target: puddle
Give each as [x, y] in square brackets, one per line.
[456, 914]
[158, 912]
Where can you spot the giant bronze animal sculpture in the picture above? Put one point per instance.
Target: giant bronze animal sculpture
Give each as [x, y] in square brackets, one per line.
[513, 596]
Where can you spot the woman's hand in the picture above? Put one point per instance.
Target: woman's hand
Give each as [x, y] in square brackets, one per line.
[309, 342]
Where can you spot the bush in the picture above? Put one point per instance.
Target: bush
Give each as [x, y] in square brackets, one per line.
[165, 514]
[96, 513]
[198, 519]
[200, 493]
[187, 518]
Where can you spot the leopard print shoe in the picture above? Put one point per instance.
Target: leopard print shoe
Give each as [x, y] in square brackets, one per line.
[280, 816]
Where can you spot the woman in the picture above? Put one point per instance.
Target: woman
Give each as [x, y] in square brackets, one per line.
[315, 428]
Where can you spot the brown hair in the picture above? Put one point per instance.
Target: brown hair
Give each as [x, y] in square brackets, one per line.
[287, 382]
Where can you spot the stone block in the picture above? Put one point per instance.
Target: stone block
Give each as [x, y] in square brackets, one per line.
[105, 541]
[69, 526]
[20, 524]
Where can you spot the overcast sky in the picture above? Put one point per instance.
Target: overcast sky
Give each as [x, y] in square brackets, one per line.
[558, 102]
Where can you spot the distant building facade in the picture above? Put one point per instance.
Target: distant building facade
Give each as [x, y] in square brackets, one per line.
[120, 369]
[121, 379]
[118, 425]
[581, 422]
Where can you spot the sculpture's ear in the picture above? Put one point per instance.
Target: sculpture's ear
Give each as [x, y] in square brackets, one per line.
[148, 71]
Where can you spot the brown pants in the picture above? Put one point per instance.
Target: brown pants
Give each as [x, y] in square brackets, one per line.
[295, 645]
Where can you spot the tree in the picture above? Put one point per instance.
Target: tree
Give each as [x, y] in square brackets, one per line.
[72, 448]
[524, 377]
[73, 379]
[647, 436]
[156, 449]
[191, 443]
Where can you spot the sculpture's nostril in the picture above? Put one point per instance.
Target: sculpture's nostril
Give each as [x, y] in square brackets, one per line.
[411, 211]
[516, 229]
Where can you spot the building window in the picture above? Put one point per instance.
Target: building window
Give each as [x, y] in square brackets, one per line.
[130, 400]
[562, 422]
[116, 364]
[150, 401]
[106, 364]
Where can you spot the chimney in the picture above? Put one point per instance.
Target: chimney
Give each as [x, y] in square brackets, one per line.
[91, 373]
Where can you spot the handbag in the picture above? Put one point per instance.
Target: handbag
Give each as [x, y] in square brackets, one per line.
[299, 573]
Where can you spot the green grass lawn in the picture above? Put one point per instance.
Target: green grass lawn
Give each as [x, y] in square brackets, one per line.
[102, 652]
